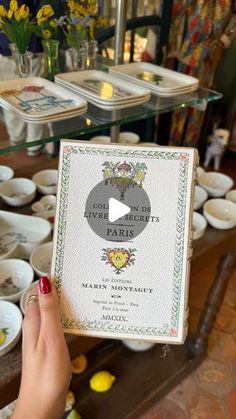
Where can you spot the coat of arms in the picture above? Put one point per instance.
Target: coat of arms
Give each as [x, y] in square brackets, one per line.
[119, 258]
[123, 175]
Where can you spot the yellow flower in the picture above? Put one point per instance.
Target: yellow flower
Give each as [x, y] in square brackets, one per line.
[53, 24]
[46, 34]
[47, 10]
[3, 11]
[24, 11]
[9, 13]
[39, 14]
[13, 5]
[41, 20]
[17, 15]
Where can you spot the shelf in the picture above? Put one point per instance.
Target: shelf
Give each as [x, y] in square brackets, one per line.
[96, 119]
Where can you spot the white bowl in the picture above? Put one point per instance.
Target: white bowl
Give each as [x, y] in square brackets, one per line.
[18, 191]
[199, 225]
[200, 196]
[137, 345]
[46, 181]
[6, 173]
[41, 258]
[129, 138]
[21, 234]
[10, 322]
[216, 184]
[46, 203]
[24, 296]
[200, 171]
[220, 213]
[102, 139]
[231, 196]
[15, 276]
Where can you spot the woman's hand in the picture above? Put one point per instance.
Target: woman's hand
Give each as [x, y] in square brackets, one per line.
[46, 369]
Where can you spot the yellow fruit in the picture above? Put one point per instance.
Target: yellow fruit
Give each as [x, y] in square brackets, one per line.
[79, 364]
[73, 415]
[3, 335]
[101, 381]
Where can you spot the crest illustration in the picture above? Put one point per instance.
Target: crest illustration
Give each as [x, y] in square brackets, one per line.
[123, 175]
[119, 258]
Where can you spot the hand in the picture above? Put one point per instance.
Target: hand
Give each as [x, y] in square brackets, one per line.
[46, 367]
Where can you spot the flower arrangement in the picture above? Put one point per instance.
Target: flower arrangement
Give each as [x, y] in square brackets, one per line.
[81, 22]
[46, 28]
[17, 24]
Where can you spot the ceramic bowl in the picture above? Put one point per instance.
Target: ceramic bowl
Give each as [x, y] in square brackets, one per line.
[46, 181]
[129, 138]
[102, 139]
[24, 296]
[200, 172]
[21, 234]
[46, 203]
[199, 225]
[18, 191]
[137, 345]
[220, 213]
[231, 196]
[10, 326]
[15, 276]
[200, 196]
[40, 259]
[216, 184]
[6, 173]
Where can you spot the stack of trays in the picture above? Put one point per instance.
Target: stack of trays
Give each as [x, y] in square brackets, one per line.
[104, 90]
[161, 81]
[37, 100]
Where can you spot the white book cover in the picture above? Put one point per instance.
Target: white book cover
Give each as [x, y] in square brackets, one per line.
[123, 240]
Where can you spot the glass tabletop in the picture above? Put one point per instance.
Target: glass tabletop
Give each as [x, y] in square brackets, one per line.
[96, 118]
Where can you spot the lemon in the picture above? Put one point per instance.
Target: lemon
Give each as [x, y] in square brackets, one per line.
[79, 364]
[101, 381]
[3, 335]
[73, 415]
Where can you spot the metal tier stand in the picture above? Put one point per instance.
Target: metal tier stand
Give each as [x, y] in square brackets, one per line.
[120, 28]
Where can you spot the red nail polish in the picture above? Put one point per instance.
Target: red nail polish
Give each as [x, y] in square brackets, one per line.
[44, 285]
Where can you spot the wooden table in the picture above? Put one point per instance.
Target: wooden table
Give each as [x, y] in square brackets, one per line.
[142, 378]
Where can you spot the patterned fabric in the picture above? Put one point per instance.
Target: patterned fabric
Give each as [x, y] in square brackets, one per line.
[194, 40]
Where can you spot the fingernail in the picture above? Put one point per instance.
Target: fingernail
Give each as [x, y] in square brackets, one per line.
[44, 285]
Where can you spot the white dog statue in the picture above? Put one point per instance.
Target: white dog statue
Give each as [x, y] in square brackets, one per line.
[215, 150]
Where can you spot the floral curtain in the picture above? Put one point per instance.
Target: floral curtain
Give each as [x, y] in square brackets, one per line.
[197, 26]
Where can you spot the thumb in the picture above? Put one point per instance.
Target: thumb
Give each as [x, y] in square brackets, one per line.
[49, 307]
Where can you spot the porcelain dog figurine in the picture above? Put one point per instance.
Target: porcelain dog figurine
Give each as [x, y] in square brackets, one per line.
[216, 149]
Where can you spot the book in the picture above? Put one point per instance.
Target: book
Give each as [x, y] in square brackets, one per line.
[122, 241]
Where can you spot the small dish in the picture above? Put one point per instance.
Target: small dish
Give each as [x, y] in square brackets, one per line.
[220, 213]
[216, 184]
[200, 171]
[102, 139]
[46, 203]
[40, 259]
[24, 296]
[137, 345]
[129, 138]
[6, 173]
[47, 215]
[10, 326]
[21, 234]
[231, 196]
[18, 191]
[46, 181]
[15, 276]
[199, 225]
[200, 196]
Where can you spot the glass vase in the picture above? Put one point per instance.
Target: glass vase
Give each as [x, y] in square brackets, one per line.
[24, 62]
[92, 54]
[78, 58]
[51, 58]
